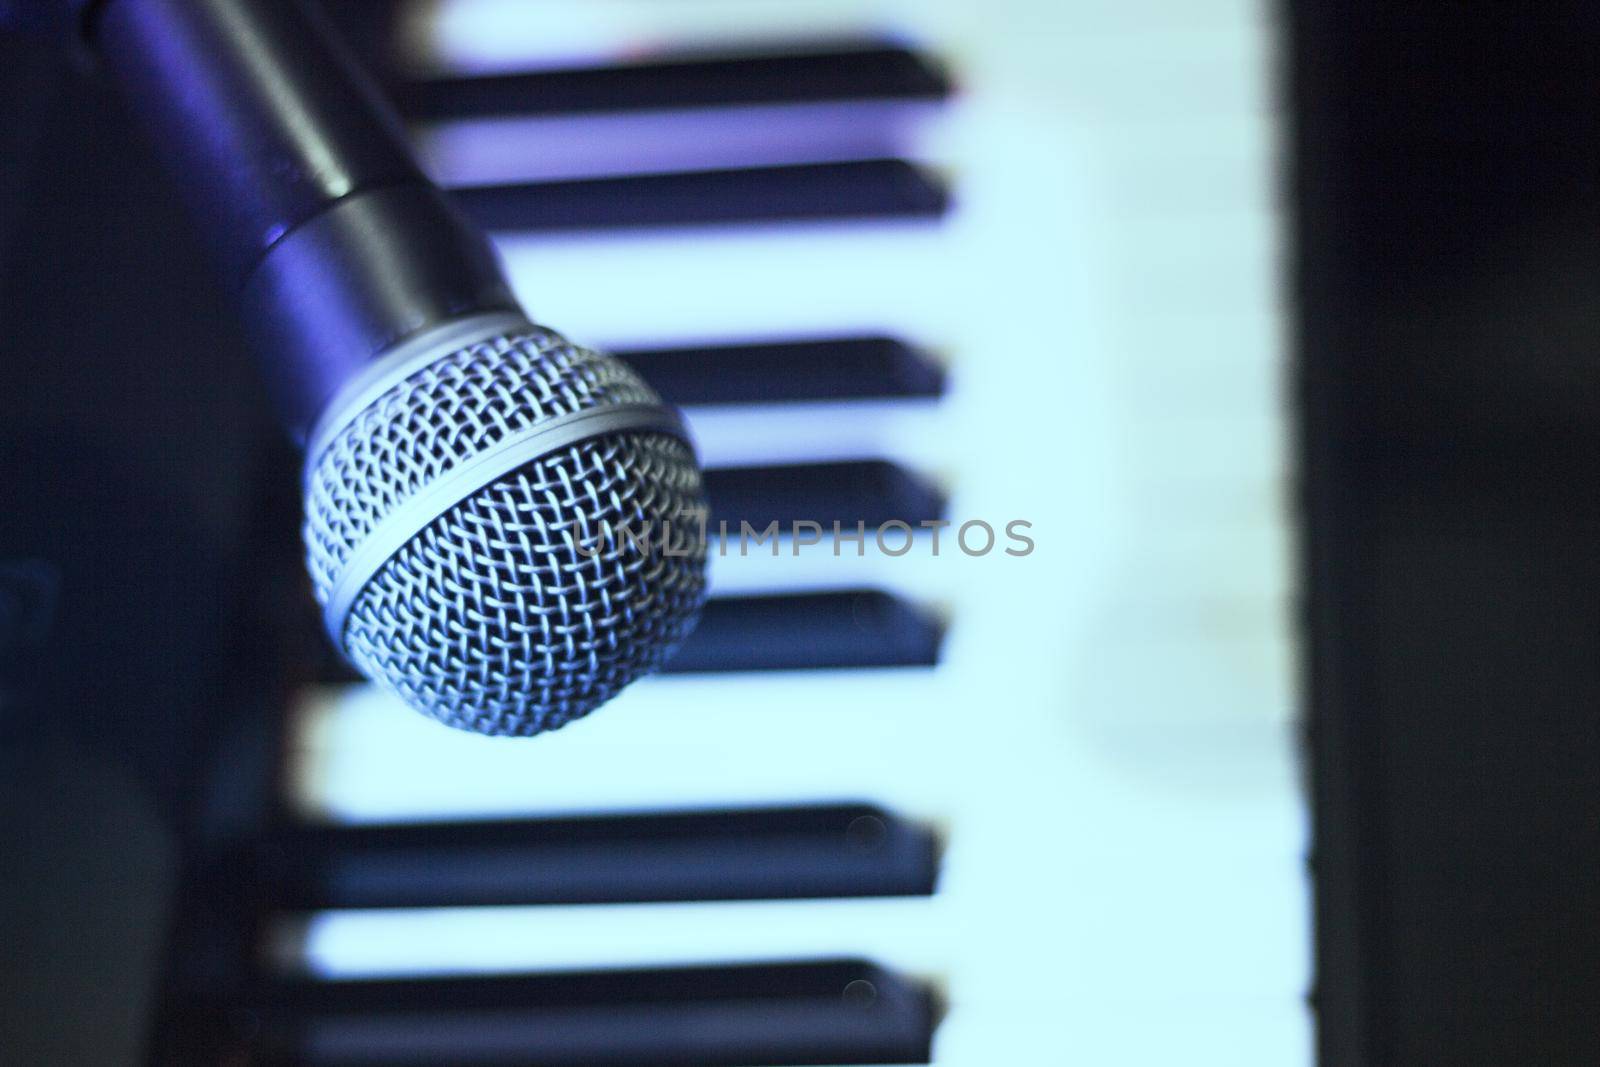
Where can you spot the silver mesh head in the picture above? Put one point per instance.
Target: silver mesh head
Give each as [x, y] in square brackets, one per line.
[508, 534]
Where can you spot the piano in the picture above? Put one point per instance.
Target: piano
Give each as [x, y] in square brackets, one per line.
[907, 265]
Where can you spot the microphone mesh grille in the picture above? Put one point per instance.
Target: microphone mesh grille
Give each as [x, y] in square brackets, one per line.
[490, 618]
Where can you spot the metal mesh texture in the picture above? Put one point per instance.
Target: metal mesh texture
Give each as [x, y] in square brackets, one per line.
[540, 595]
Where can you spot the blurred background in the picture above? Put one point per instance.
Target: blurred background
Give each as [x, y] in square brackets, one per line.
[1274, 322]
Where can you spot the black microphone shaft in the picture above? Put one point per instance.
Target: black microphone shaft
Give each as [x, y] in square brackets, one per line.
[300, 177]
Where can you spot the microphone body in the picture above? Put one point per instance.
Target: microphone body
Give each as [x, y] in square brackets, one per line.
[302, 183]
[476, 486]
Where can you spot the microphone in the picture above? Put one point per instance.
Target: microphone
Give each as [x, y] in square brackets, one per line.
[501, 526]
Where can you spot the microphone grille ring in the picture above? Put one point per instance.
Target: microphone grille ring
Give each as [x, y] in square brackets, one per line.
[529, 598]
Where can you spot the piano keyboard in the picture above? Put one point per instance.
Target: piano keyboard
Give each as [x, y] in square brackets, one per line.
[897, 261]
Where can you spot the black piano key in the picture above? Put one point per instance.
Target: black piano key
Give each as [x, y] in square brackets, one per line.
[882, 188]
[861, 628]
[868, 491]
[842, 368]
[847, 850]
[851, 73]
[845, 1011]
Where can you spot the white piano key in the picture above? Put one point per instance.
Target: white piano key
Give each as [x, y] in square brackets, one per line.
[484, 36]
[489, 36]
[899, 430]
[686, 741]
[1202, 1029]
[1001, 956]
[640, 288]
[1207, 163]
[668, 742]
[1212, 1031]
[411, 941]
[928, 281]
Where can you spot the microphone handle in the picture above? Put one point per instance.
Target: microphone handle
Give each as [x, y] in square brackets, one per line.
[300, 177]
